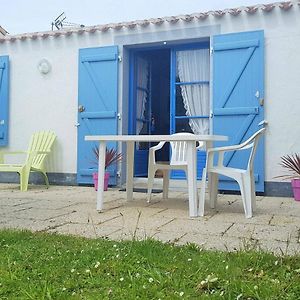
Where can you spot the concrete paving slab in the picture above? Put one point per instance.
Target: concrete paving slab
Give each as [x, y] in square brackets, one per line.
[15, 201]
[179, 202]
[133, 221]
[285, 220]
[290, 208]
[168, 236]
[127, 235]
[80, 216]
[85, 230]
[275, 226]
[264, 232]
[212, 242]
[29, 224]
[176, 213]
[199, 226]
[279, 248]
[220, 216]
[39, 214]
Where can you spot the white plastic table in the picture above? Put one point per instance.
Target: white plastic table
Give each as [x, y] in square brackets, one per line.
[130, 141]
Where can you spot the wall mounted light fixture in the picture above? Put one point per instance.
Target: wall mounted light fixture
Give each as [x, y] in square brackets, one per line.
[44, 66]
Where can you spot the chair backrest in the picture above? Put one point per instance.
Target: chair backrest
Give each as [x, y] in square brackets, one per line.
[41, 141]
[252, 142]
[179, 153]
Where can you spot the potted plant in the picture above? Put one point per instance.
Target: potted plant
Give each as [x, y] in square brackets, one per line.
[292, 164]
[111, 156]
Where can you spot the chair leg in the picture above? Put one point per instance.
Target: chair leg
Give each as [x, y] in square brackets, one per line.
[213, 193]
[151, 173]
[165, 184]
[46, 179]
[253, 194]
[202, 194]
[24, 177]
[245, 186]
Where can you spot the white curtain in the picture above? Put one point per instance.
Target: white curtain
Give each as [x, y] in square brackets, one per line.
[193, 65]
[141, 97]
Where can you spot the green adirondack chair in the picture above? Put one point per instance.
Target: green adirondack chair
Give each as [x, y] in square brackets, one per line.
[39, 147]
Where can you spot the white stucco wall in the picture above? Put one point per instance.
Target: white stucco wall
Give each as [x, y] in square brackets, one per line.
[50, 101]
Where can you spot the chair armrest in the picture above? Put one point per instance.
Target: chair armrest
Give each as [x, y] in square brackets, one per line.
[230, 148]
[12, 152]
[152, 152]
[4, 153]
[221, 151]
[158, 146]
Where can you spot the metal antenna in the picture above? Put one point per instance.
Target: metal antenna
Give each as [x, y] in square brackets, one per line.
[59, 23]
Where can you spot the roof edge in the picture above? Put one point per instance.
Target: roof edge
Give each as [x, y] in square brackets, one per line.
[250, 10]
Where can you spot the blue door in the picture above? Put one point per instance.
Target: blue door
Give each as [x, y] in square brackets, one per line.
[238, 97]
[97, 106]
[4, 79]
[141, 109]
[189, 105]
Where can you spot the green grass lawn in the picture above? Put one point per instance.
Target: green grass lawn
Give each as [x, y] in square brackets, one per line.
[44, 266]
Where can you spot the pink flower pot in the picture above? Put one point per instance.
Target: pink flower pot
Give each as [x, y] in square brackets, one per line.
[296, 188]
[106, 179]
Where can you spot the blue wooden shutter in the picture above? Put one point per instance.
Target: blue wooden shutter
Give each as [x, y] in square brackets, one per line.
[238, 92]
[4, 85]
[97, 105]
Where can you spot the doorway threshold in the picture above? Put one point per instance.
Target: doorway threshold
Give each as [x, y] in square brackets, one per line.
[174, 185]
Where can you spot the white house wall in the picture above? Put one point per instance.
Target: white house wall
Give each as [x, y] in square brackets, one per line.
[49, 101]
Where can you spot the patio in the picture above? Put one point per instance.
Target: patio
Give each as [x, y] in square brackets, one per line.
[71, 210]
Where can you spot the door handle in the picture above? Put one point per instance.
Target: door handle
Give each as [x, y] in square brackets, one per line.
[261, 101]
[77, 125]
[81, 108]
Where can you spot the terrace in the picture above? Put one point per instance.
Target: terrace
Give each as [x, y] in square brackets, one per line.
[70, 210]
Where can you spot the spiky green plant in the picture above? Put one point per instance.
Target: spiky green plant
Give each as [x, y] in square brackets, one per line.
[292, 164]
[111, 156]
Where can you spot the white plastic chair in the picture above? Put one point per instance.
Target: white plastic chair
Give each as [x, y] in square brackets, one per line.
[245, 178]
[178, 161]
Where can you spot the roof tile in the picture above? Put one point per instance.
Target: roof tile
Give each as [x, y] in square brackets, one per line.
[267, 8]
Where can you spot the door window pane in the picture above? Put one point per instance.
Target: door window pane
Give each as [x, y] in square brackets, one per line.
[192, 88]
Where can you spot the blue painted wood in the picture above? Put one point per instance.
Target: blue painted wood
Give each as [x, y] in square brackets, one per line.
[236, 111]
[141, 160]
[140, 155]
[98, 115]
[131, 99]
[191, 117]
[238, 76]
[173, 92]
[192, 82]
[4, 99]
[240, 68]
[96, 58]
[98, 94]
[236, 45]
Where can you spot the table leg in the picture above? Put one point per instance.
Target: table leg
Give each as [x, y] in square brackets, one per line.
[209, 145]
[129, 169]
[202, 194]
[101, 171]
[192, 178]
